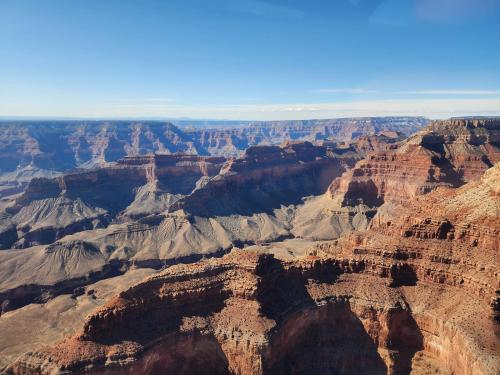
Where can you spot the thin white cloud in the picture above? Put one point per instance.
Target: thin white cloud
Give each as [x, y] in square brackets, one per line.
[427, 107]
[451, 92]
[355, 90]
[159, 100]
[453, 10]
[362, 90]
[129, 101]
[433, 108]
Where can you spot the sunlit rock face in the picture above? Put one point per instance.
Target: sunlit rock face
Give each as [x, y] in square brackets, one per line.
[415, 294]
[409, 283]
[30, 149]
[446, 153]
[268, 177]
[246, 313]
[52, 208]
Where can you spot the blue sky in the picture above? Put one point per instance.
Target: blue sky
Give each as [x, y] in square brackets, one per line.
[249, 59]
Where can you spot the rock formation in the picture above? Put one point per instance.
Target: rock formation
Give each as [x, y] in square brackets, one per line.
[447, 153]
[235, 140]
[52, 208]
[419, 292]
[451, 238]
[46, 148]
[246, 313]
[234, 208]
[31, 148]
[267, 177]
[409, 283]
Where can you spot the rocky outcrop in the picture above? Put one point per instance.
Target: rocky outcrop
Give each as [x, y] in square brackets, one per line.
[295, 319]
[447, 153]
[470, 145]
[42, 148]
[41, 324]
[46, 148]
[52, 208]
[268, 177]
[415, 293]
[232, 140]
[449, 237]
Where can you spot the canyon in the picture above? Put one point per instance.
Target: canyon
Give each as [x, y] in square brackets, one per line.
[332, 246]
[233, 140]
[30, 149]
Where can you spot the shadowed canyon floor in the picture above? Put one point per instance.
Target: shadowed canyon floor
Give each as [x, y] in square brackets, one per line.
[378, 257]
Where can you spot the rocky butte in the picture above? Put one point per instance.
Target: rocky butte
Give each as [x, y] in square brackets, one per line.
[155, 210]
[391, 266]
[48, 148]
[133, 187]
[418, 294]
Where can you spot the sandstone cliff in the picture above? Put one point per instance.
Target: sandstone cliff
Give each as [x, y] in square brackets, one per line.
[447, 153]
[418, 293]
[46, 148]
[231, 141]
[267, 177]
[52, 208]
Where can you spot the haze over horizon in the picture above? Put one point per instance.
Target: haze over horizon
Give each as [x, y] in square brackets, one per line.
[249, 59]
[251, 187]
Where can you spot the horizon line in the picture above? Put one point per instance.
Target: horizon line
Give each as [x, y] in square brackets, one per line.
[169, 119]
[186, 119]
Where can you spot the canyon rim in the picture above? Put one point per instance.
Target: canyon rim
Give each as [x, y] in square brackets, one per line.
[249, 187]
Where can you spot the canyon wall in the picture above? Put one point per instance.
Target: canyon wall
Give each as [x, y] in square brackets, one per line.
[447, 153]
[52, 208]
[268, 177]
[30, 149]
[408, 285]
[233, 140]
[416, 294]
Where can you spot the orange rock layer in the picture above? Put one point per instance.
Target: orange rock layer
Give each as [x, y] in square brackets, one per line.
[447, 153]
[418, 292]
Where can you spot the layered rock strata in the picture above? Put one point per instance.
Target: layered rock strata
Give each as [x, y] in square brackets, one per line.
[447, 153]
[52, 208]
[143, 230]
[234, 140]
[242, 205]
[251, 314]
[45, 148]
[246, 313]
[449, 237]
[39, 149]
[415, 293]
[267, 177]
